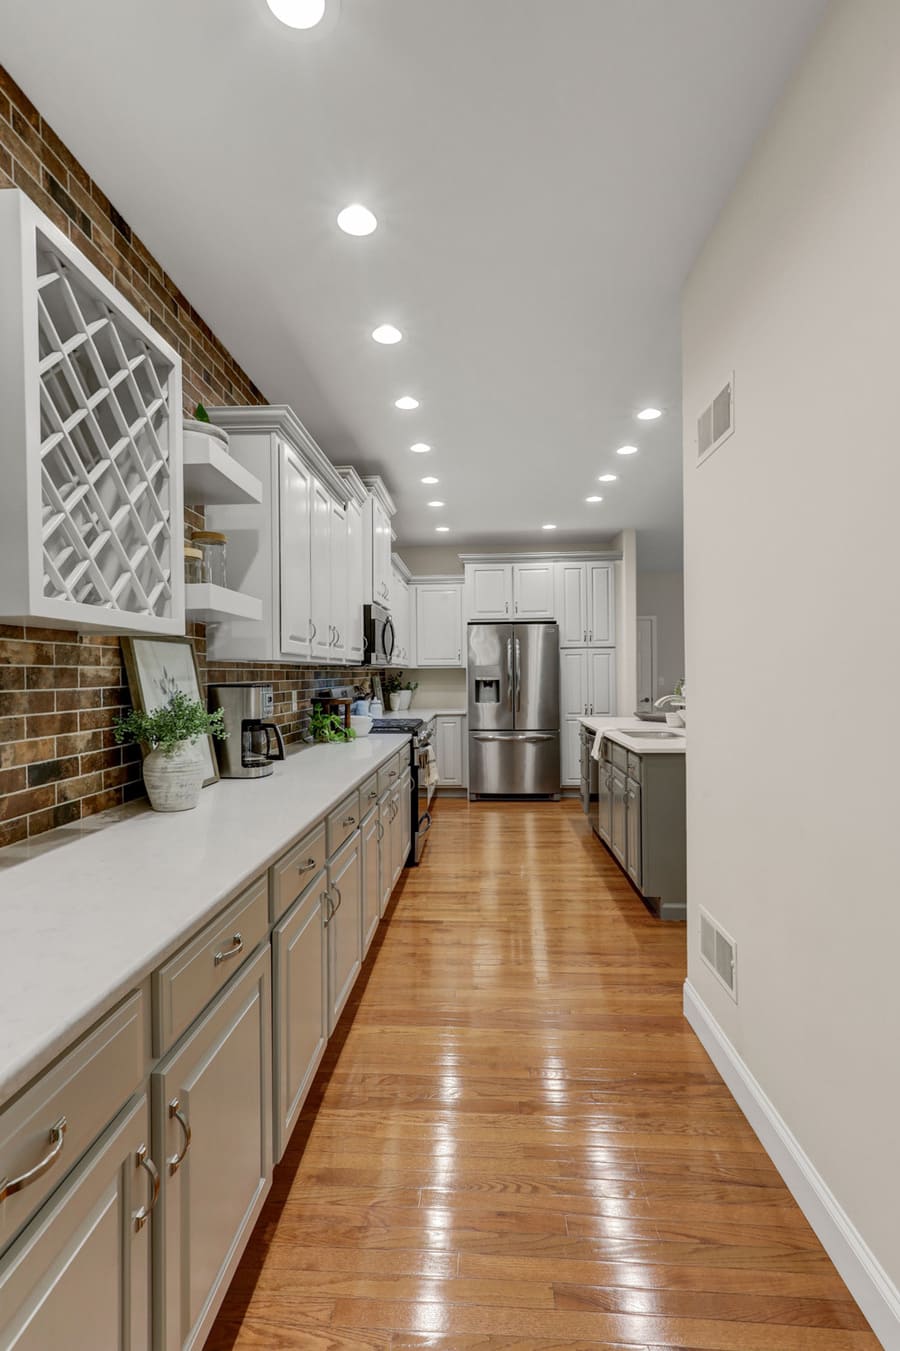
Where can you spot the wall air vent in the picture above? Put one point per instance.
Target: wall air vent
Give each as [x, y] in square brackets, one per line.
[719, 951]
[716, 423]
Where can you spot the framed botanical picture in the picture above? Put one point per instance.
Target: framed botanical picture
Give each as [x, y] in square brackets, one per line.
[158, 668]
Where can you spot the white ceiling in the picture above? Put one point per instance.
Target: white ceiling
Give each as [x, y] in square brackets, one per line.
[544, 173]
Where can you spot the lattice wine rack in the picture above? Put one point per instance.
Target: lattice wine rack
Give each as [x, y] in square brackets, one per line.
[90, 422]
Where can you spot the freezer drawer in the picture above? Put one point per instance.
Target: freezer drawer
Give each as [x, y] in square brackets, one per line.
[516, 764]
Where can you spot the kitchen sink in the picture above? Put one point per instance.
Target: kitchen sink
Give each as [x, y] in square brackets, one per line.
[650, 733]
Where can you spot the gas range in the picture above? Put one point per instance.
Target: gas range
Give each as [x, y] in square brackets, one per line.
[415, 727]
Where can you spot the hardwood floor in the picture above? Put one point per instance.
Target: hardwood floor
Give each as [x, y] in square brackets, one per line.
[517, 1142]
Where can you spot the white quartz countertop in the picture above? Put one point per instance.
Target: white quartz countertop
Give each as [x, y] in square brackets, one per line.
[95, 907]
[428, 713]
[617, 729]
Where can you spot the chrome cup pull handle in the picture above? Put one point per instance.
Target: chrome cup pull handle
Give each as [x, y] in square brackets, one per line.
[237, 945]
[349, 821]
[176, 1114]
[307, 866]
[10, 1185]
[143, 1160]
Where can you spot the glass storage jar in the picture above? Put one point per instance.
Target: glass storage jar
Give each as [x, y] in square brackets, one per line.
[193, 565]
[212, 546]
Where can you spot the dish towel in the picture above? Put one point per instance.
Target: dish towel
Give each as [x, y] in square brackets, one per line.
[429, 767]
[596, 749]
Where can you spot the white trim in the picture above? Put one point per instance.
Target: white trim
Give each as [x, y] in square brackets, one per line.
[282, 420]
[355, 486]
[376, 486]
[866, 1278]
[654, 655]
[546, 556]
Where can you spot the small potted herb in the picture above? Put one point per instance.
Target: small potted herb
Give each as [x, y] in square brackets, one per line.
[328, 726]
[399, 694]
[173, 771]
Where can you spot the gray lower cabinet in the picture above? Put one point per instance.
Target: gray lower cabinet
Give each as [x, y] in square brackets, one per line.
[385, 820]
[371, 833]
[78, 1277]
[344, 923]
[604, 802]
[633, 856]
[405, 820]
[300, 1005]
[640, 816]
[212, 1128]
[618, 835]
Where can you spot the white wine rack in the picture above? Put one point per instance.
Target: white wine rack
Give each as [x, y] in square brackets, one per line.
[91, 442]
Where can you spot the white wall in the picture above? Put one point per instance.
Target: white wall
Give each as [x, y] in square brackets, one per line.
[626, 623]
[662, 594]
[439, 688]
[792, 786]
[428, 560]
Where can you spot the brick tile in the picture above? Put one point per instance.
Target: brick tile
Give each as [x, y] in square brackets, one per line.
[12, 832]
[73, 698]
[12, 729]
[51, 771]
[13, 780]
[52, 678]
[85, 785]
[101, 802]
[35, 634]
[27, 182]
[78, 743]
[18, 98]
[96, 761]
[26, 752]
[51, 724]
[26, 701]
[18, 652]
[22, 804]
[54, 817]
[63, 153]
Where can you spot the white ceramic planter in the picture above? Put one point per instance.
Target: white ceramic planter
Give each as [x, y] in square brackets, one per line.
[401, 700]
[173, 782]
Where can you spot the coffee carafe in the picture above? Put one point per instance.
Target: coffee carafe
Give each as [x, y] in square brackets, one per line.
[253, 740]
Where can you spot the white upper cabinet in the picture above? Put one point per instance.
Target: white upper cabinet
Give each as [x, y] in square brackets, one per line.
[533, 596]
[402, 620]
[489, 591]
[338, 578]
[320, 562]
[91, 514]
[378, 536]
[355, 584]
[585, 604]
[296, 482]
[439, 626]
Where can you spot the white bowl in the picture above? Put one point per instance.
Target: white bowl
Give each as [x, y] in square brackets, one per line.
[361, 725]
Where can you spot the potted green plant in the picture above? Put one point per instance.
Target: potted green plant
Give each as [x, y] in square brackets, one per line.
[173, 771]
[328, 726]
[399, 693]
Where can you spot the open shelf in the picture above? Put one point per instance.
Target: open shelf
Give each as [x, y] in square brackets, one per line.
[208, 604]
[212, 477]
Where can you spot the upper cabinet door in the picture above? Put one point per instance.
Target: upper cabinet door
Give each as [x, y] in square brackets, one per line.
[337, 616]
[295, 491]
[602, 612]
[439, 635]
[355, 584]
[533, 591]
[490, 591]
[571, 603]
[602, 682]
[320, 572]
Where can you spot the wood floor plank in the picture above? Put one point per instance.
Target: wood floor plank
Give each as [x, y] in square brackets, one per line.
[515, 1141]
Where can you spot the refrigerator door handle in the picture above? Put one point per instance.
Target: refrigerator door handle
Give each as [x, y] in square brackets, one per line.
[480, 736]
[518, 676]
[510, 677]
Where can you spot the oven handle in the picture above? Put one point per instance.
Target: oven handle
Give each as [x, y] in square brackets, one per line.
[389, 651]
[424, 823]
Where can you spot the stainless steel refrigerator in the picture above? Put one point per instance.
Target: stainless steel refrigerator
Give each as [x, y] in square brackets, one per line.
[513, 677]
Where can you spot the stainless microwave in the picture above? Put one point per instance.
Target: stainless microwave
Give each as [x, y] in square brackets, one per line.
[378, 634]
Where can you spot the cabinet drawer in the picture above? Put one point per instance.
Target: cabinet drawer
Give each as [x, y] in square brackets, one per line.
[342, 822]
[634, 766]
[87, 1087]
[188, 981]
[619, 756]
[368, 794]
[292, 874]
[390, 773]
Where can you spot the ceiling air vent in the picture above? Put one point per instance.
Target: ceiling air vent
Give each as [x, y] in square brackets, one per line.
[716, 423]
[719, 951]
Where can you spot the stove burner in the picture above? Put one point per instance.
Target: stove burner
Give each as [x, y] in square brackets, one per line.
[398, 725]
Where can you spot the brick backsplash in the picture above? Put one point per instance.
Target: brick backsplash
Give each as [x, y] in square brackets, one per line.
[61, 692]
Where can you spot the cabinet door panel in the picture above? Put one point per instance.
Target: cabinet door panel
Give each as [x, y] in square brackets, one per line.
[449, 750]
[602, 682]
[571, 751]
[337, 611]
[439, 626]
[355, 584]
[79, 1276]
[295, 490]
[533, 591]
[386, 836]
[220, 1072]
[604, 802]
[371, 867]
[320, 571]
[344, 924]
[618, 840]
[300, 1006]
[573, 683]
[602, 615]
[571, 604]
[633, 830]
[405, 820]
[490, 591]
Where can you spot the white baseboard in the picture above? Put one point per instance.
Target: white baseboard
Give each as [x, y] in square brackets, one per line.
[868, 1282]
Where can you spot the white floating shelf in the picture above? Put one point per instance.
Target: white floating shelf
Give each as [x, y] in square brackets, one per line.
[208, 604]
[212, 477]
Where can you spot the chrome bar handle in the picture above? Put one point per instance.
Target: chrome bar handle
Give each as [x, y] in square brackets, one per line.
[509, 672]
[10, 1185]
[329, 913]
[176, 1114]
[143, 1160]
[518, 674]
[340, 898]
[380, 827]
[237, 945]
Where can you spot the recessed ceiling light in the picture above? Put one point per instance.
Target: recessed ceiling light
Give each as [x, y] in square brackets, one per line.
[649, 414]
[548, 527]
[442, 529]
[357, 219]
[607, 478]
[429, 479]
[593, 499]
[437, 504]
[407, 403]
[420, 448]
[627, 450]
[387, 334]
[298, 13]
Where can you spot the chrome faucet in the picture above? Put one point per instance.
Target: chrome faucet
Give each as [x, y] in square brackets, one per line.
[670, 701]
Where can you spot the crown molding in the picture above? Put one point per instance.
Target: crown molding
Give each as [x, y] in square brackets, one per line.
[357, 489]
[377, 488]
[546, 556]
[283, 421]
